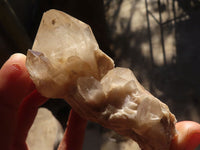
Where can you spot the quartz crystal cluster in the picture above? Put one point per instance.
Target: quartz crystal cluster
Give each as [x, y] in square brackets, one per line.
[66, 62]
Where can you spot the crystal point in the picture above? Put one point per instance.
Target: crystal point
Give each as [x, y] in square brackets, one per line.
[72, 51]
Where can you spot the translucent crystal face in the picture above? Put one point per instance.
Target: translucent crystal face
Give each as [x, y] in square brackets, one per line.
[60, 38]
[66, 63]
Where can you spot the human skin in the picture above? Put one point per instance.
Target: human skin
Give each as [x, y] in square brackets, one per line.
[15, 84]
[19, 102]
[188, 136]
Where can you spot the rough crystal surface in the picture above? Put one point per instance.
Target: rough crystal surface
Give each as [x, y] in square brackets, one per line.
[126, 107]
[65, 62]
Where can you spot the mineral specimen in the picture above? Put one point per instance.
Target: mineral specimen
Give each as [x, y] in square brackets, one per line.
[66, 62]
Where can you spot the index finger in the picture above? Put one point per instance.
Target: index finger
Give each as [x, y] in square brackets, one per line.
[15, 84]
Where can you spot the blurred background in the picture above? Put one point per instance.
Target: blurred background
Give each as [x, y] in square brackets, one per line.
[158, 39]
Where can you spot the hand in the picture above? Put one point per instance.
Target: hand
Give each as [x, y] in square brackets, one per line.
[17, 113]
[17, 110]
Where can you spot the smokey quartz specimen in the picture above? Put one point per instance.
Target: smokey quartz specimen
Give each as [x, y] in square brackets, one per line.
[66, 62]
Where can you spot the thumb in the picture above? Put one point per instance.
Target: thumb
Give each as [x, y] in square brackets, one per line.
[188, 136]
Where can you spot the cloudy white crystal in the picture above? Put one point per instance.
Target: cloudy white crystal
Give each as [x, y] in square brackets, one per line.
[66, 62]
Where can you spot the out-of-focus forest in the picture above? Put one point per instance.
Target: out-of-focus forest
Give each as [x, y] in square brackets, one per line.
[157, 39]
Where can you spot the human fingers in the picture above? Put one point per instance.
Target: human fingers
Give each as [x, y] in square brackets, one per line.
[15, 84]
[188, 136]
[74, 134]
[26, 115]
